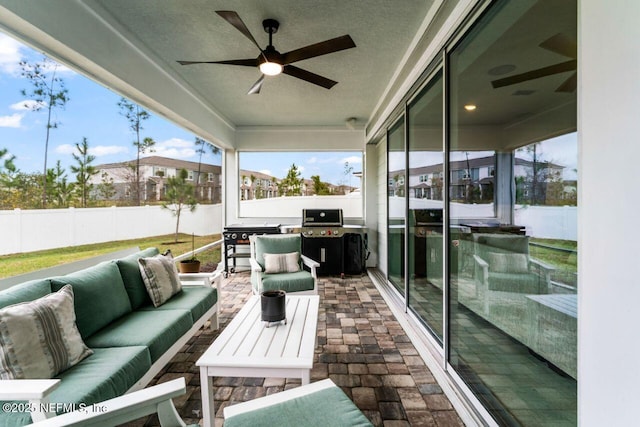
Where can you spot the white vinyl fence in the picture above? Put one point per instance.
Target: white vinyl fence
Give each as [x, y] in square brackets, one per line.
[33, 230]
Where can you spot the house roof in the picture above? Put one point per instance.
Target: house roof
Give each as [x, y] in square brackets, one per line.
[164, 162]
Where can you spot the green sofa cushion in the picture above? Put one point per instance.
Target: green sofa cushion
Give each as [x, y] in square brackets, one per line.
[133, 283]
[288, 282]
[24, 292]
[527, 283]
[196, 299]
[107, 373]
[100, 296]
[158, 330]
[327, 407]
[276, 244]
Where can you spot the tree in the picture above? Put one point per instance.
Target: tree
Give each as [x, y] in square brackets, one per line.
[84, 170]
[106, 188]
[47, 92]
[135, 115]
[179, 196]
[59, 189]
[320, 188]
[291, 185]
[348, 170]
[7, 161]
[201, 149]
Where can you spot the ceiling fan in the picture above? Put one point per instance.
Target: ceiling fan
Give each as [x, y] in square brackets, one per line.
[560, 44]
[271, 62]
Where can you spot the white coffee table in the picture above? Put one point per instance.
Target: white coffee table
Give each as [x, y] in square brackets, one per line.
[246, 348]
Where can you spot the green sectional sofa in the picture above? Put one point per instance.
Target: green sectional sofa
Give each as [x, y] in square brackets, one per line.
[131, 339]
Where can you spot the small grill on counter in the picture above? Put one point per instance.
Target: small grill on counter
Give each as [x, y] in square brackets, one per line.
[236, 235]
[340, 249]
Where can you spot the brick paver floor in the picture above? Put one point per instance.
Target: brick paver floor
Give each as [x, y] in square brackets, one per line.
[361, 347]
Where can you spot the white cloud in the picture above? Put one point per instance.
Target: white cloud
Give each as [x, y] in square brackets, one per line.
[105, 150]
[65, 149]
[12, 121]
[10, 55]
[266, 172]
[175, 148]
[26, 105]
[351, 160]
[312, 160]
[98, 151]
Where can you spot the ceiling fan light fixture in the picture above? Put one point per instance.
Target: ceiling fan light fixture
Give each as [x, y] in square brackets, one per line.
[271, 68]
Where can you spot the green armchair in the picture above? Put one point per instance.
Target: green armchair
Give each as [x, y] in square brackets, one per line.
[502, 263]
[277, 263]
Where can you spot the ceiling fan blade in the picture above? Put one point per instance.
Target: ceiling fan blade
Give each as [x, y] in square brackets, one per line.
[234, 19]
[245, 62]
[562, 45]
[536, 74]
[322, 48]
[255, 89]
[569, 85]
[309, 76]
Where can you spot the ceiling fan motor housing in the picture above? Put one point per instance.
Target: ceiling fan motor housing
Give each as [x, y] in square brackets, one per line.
[270, 26]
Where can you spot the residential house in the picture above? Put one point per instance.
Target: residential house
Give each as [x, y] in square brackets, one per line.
[154, 171]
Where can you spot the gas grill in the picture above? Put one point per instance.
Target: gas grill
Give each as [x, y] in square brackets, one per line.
[236, 235]
[338, 248]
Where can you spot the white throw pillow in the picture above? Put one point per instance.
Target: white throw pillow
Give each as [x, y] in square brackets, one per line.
[39, 338]
[160, 277]
[282, 263]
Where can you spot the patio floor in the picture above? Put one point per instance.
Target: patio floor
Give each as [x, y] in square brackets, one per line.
[361, 347]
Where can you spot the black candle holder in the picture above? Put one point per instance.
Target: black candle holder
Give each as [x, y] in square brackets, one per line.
[273, 305]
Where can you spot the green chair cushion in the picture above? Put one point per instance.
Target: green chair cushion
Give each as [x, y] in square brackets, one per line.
[133, 283]
[158, 330]
[527, 283]
[99, 296]
[276, 244]
[196, 299]
[24, 292]
[107, 373]
[288, 282]
[327, 407]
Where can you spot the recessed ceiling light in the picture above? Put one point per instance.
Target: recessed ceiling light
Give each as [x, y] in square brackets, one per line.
[470, 107]
[501, 69]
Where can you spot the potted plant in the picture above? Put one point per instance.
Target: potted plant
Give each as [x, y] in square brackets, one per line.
[191, 265]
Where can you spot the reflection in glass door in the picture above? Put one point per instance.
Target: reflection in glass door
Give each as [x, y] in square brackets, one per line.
[512, 317]
[425, 193]
[396, 172]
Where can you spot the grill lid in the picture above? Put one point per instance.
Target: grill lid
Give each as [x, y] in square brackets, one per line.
[322, 217]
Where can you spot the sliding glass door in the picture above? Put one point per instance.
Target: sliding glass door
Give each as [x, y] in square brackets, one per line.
[484, 155]
[425, 195]
[396, 204]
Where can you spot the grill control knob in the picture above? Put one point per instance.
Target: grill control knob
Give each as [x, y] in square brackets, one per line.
[234, 235]
[310, 232]
[322, 233]
[336, 232]
[244, 236]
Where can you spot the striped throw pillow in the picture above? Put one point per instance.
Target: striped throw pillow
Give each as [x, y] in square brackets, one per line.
[39, 338]
[282, 263]
[160, 277]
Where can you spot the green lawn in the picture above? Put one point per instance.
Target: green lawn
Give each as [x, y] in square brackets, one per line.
[11, 265]
[565, 261]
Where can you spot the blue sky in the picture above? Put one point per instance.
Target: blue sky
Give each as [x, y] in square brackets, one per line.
[92, 112]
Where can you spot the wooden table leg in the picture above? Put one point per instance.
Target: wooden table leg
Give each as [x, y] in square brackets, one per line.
[208, 407]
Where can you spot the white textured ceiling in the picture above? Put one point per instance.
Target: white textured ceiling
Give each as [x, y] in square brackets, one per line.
[169, 30]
